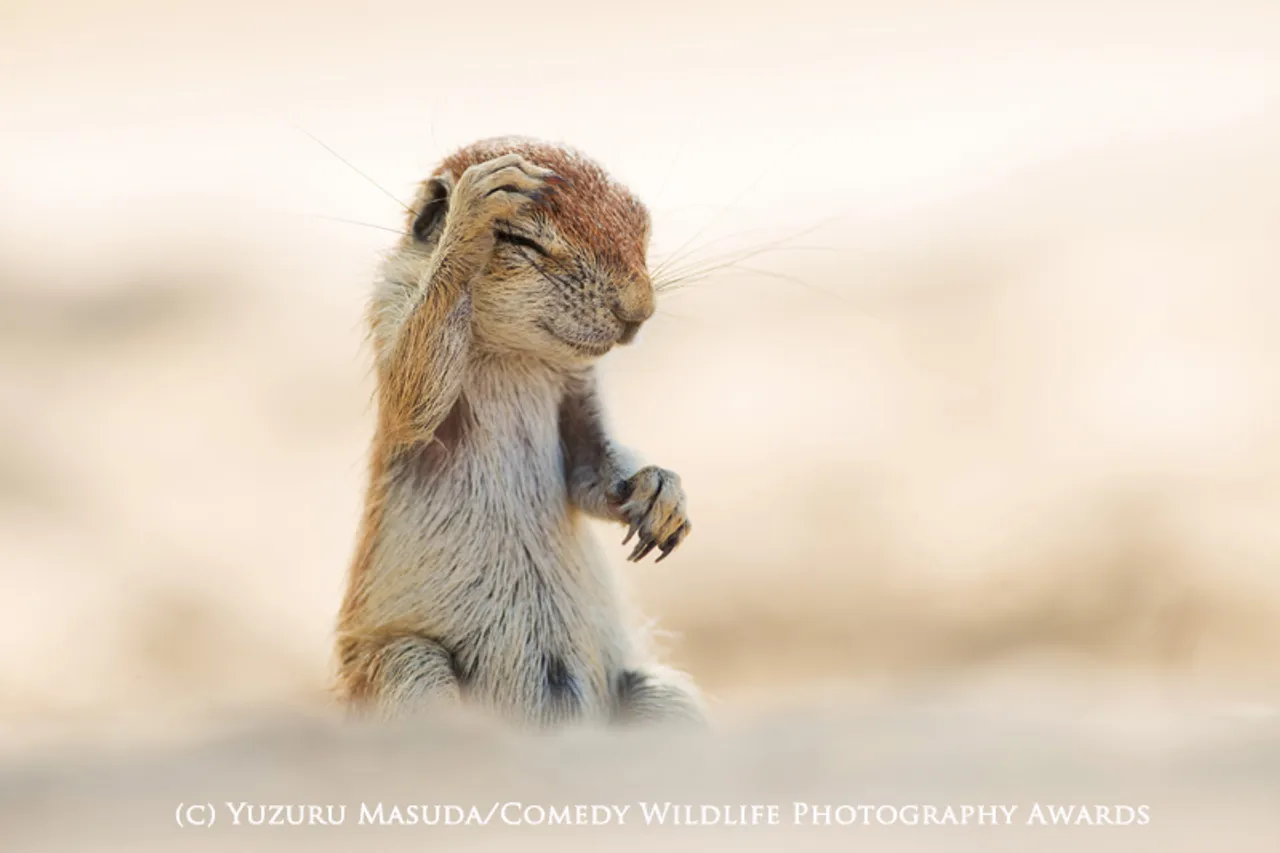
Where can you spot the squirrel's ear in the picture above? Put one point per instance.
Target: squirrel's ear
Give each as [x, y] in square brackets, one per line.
[436, 205]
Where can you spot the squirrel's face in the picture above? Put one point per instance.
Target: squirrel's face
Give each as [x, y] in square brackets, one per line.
[550, 291]
[567, 279]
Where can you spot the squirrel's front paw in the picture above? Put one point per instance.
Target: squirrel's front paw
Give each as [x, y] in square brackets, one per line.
[496, 189]
[652, 501]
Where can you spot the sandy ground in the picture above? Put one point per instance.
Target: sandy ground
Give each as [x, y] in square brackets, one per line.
[983, 450]
[1148, 777]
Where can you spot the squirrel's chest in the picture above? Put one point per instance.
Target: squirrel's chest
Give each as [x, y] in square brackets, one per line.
[508, 453]
[497, 461]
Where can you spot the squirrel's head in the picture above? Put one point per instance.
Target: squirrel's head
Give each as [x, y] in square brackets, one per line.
[567, 279]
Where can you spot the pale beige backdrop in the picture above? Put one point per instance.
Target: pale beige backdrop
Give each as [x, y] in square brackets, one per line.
[987, 400]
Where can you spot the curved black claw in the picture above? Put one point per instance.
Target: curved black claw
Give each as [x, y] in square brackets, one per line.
[673, 542]
[631, 531]
[642, 550]
[652, 504]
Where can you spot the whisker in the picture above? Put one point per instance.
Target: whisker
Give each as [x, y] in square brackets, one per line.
[668, 260]
[832, 249]
[674, 316]
[716, 261]
[353, 168]
[737, 201]
[675, 285]
[661, 272]
[356, 222]
[794, 279]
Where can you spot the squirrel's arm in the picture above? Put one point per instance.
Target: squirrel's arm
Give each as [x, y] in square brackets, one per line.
[421, 333]
[595, 466]
[421, 316]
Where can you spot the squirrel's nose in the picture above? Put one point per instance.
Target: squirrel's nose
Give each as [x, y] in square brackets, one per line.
[632, 306]
[631, 322]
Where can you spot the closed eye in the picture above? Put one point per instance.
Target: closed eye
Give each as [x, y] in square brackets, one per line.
[521, 240]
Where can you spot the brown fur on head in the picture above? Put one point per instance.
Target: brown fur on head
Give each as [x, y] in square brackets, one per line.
[568, 280]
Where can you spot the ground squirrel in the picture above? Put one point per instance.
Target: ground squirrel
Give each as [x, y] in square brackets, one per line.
[475, 577]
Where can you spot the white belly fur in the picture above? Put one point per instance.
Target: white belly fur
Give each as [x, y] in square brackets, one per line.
[483, 553]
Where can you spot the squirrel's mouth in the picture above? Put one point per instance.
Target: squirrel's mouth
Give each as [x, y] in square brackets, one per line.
[589, 348]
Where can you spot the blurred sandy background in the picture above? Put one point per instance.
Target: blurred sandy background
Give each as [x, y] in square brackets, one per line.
[987, 405]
